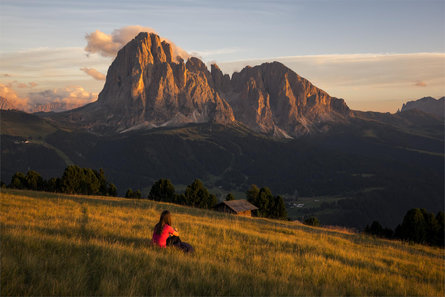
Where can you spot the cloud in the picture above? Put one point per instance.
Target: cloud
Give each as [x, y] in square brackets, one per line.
[93, 73]
[420, 84]
[107, 45]
[20, 85]
[52, 68]
[73, 96]
[12, 97]
[205, 54]
[57, 99]
[6, 75]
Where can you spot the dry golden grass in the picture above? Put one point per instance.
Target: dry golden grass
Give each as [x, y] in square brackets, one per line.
[54, 244]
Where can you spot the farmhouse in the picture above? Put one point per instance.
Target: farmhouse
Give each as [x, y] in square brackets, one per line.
[239, 207]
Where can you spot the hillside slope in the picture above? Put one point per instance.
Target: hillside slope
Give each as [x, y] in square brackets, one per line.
[80, 245]
[369, 162]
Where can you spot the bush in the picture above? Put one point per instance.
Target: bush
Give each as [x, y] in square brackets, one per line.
[312, 221]
[133, 194]
[377, 229]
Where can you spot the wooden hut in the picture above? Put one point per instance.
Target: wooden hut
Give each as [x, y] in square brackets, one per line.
[239, 207]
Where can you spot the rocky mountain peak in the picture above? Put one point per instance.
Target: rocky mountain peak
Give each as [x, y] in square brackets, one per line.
[146, 87]
[274, 99]
[427, 104]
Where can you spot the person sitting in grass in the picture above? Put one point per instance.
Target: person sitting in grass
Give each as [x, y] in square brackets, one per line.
[165, 235]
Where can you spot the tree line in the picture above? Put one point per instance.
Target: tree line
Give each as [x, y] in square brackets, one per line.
[418, 226]
[86, 181]
[75, 180]
[197, 195]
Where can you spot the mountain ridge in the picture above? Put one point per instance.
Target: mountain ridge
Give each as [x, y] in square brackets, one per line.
[426, 104]
[147, 88]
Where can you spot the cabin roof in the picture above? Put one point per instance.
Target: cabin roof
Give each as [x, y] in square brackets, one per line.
[239, 205]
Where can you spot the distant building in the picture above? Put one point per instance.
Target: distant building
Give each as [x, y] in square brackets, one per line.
[238, 207]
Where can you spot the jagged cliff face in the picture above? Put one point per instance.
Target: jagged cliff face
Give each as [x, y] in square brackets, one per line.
[273, 99]
[428, 105]
[146, 87]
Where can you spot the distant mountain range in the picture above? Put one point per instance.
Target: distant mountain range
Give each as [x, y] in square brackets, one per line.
[159, 118]
[428, 105]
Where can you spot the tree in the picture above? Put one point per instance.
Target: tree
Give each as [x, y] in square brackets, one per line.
[53, 185]
[413, 227]
[230, 197]
[133, 194]
[137, 194]
[268, 205]
[440, 232]
[197, 195]
[252, 194]
[312, 221]
[264, 202]
[280, 211]
[213, 200]
[18, 181]
[431, 227]
[112, 190]
[129, 193]
[375, 229]
[162, 190]
[34, 181]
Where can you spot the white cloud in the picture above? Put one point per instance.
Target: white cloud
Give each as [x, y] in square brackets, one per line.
[73, 96]
[12, 97]
[107, 45]
[57, 99]
[93, 73]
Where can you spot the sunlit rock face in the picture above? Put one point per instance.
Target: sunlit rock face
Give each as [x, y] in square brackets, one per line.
[273, 99]
[146, 87]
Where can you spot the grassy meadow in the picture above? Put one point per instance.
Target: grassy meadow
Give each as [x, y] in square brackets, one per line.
[56, 244]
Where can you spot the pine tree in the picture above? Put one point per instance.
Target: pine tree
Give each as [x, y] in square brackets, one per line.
[162, 190]
[230, 197]
[129, 193]
[197, 195]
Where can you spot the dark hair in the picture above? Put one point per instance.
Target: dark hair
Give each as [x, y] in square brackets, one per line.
[165, 219]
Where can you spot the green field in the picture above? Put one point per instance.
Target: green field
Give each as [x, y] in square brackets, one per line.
[55, 244]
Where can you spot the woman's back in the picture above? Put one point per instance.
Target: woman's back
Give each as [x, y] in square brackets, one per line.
[161, 239]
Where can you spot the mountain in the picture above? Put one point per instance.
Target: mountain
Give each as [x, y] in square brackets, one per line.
[273, 99]
[147, 88]
[161, 117]
[376, 167]
[428, 105]
[52, 107]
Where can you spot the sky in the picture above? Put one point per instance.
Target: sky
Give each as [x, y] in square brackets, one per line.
[374, 54]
